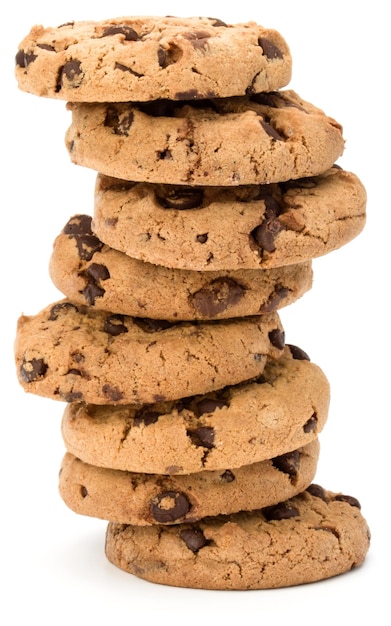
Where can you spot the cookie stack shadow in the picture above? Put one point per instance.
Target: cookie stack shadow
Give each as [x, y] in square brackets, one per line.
[191, 424]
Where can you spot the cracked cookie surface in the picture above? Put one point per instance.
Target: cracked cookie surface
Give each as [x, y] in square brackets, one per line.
[147, 58]
[144, 499]
[265, 226]
[75, 353]
[283, 409]
[89, 272]
[310, 537]
[265, 138]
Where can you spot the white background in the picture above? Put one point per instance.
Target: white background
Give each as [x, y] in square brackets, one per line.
[52, 561]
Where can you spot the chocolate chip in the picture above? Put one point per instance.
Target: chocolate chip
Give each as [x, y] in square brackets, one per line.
[265, 234]
[298, 353]
[269, 49]
[202, 238]
[217, 296]
[218, 23]
[114, 325]
[317, 491]
[349, 499]
[198, 39]
[277, 338]
[78, 225]
[288, 463]
[121, 29]
[94, 273]
[208, 405]
[60, 308]
[46, 46]
[23, 59]
[112, 393]
[33, 370]
[125, 68]
[146, 417]
[202, 436]
[228, 476]
[180, 198]
[169, 56]
[311, 424]
[280, 511]
[269, 128]
[72, 396]
[194, 538]
[72, 71]
[169, 506]
[119, 122]
[152, 326]
[91, 292]
[83, 491]
[279, 294]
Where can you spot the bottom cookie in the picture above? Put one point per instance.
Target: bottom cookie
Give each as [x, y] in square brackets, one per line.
[313, 536]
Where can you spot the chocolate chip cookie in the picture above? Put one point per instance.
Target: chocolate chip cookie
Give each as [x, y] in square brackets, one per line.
[283, 409]
[143, 499]
[310, 537]
[265, 226]
[147, 58]
[76, 353]
[90, 272]
[264, 138]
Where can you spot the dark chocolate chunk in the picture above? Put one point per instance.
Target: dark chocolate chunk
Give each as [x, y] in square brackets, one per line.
[72, 71]
[146, 417]
[72, 396]
[298, 353]
[46, 46]
[114, 325]
[94, 274]
[91, 292]
[269, 128]
[97, 272]
[228, 476]
[152, 326]
[60, 308]
[209, 405]
[269, 49]
[181, 198]
[119, 122]
[349, 499]
[112, 393]
[33, 370]
[23, 59]
[83, 491]
[218, 23]
[125, 68]
[288, 463]
[277, 338]
[279, 294]
[121, 29]
[202, 437]
[169, 506]
[280, 511]
[217, 296]
[78, 225]
[169, 56]
[198, 39]
[311, 424]
[202, 238]
[194, 538]
[265, 234]
[317, 491]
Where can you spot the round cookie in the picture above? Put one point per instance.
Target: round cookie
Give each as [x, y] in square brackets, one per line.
[76, 353]
[143, 499]
[264, 226]
[265, 138]
[310, 537]
[282, 410]
[89, 272]
[147, 58]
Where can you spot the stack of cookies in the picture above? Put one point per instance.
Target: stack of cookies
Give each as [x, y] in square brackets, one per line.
[190, 425]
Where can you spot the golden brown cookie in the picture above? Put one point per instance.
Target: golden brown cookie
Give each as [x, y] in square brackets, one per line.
[283, 409]
[143, 499]
[264, 138]
[147, 58]
[75, 353]
[90, 272]
[220, 228]
[313, 536]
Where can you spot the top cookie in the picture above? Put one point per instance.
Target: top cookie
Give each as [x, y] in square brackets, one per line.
[147, 58]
